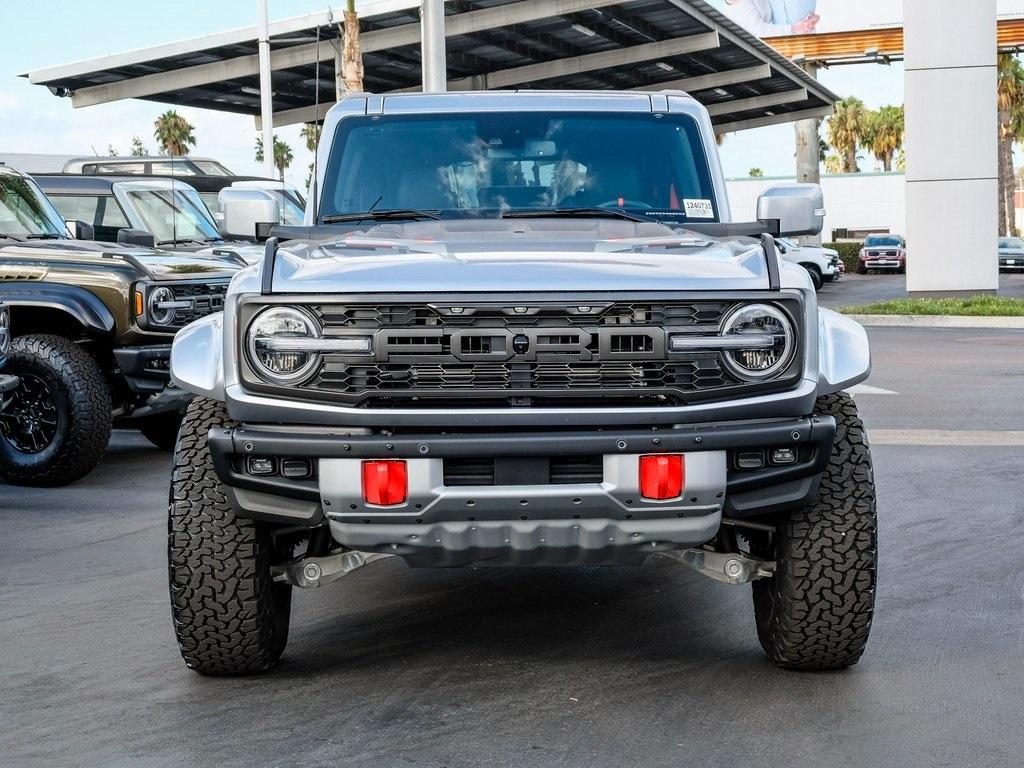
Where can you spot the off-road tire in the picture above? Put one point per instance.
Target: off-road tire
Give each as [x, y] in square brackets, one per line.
[816, 277]
[815, 612]
[161, 429]
[82, 399]
[229, 616]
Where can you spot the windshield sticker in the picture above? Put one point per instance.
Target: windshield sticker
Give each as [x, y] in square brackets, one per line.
[699, 209]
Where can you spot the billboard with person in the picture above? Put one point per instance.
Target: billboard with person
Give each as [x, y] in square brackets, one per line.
[779, 18]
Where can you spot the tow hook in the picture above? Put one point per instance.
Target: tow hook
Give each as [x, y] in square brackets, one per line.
[727, 567]
[310, 572]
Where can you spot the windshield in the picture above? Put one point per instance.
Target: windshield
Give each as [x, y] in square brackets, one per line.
[293, 207]
[176, 216]
[25, 212]
[1011, 242]
[879, 240]
[480, 164]
[211, 168]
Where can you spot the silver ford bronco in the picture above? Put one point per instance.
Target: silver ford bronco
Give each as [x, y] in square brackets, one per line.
[522, 329]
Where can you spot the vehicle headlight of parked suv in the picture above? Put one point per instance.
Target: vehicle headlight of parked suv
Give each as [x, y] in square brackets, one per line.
[286, 344]
[170, 306]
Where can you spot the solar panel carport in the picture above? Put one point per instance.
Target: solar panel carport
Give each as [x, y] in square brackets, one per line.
[491, 44]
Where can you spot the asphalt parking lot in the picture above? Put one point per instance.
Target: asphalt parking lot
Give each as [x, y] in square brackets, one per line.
[641, 667]
[853, 289]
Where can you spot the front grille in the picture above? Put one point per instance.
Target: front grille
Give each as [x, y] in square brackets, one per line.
[686, 314]
[204, 299]
[486, 354]
[441, 379]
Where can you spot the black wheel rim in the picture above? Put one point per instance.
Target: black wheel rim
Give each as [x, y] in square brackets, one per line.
[30, 422]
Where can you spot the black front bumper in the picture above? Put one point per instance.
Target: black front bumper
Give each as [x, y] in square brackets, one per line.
[750, 492]
[147, 370]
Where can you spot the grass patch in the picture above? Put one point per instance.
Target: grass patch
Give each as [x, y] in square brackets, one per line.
[974, 306]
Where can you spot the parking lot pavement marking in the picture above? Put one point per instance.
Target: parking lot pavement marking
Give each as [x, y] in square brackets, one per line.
[867, 389]
[946, 437]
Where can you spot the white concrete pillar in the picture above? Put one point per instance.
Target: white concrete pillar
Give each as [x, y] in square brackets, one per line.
[266, 94]
[952, 163]
[808, 155]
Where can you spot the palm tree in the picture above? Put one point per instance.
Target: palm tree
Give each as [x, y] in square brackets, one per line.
[833, 164]
[883, 134]
[351, 51]
[311, 133]
[174, 133]
[1010, 100]
[282, 154]
[138, 148]
[845, 129]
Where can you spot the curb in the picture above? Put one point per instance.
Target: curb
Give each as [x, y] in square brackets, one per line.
[938, 321]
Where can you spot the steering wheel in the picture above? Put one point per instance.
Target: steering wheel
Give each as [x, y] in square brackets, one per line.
[621, 202]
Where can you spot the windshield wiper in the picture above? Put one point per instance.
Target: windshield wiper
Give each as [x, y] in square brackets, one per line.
[394, 213]
[587, 213]
[180, 241]
[5, 236]
[44, 236]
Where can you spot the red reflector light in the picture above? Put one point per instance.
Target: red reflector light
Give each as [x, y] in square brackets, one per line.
[385, 483]
[662, 476]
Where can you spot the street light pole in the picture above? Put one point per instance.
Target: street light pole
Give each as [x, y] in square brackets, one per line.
[266, 94]
[432, 46]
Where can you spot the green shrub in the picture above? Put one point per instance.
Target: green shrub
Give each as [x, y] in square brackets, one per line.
[848, 253]
[978, 306]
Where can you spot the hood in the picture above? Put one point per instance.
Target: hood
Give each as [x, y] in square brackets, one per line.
[520, 255]
[157, 265]
[1011, 251]
[172, 266]
[240, 253]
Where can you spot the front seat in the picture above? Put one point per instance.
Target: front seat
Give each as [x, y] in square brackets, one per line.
[608, 179]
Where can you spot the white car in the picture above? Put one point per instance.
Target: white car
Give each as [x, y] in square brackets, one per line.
[822, 264]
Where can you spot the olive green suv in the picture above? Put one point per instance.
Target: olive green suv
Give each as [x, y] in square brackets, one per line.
[92, 325]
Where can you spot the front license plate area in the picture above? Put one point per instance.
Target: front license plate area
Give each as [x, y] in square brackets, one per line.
[617, 496]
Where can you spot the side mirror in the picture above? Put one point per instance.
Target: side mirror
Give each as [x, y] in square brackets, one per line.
[799, 208]
[141, 237]
[80, 230]
[245, 210]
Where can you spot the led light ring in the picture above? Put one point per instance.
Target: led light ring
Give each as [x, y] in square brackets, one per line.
[160, 295]
[271, 376]
[787, 352]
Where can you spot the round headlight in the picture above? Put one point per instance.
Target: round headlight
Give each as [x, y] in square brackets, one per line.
[275, 344]
[771, 341]
[161, 315]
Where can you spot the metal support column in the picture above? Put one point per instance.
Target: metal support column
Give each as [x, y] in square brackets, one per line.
[266, 94]
[808, 154]
[432, 46]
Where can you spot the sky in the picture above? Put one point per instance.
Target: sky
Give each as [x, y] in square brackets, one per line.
[46, 33]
